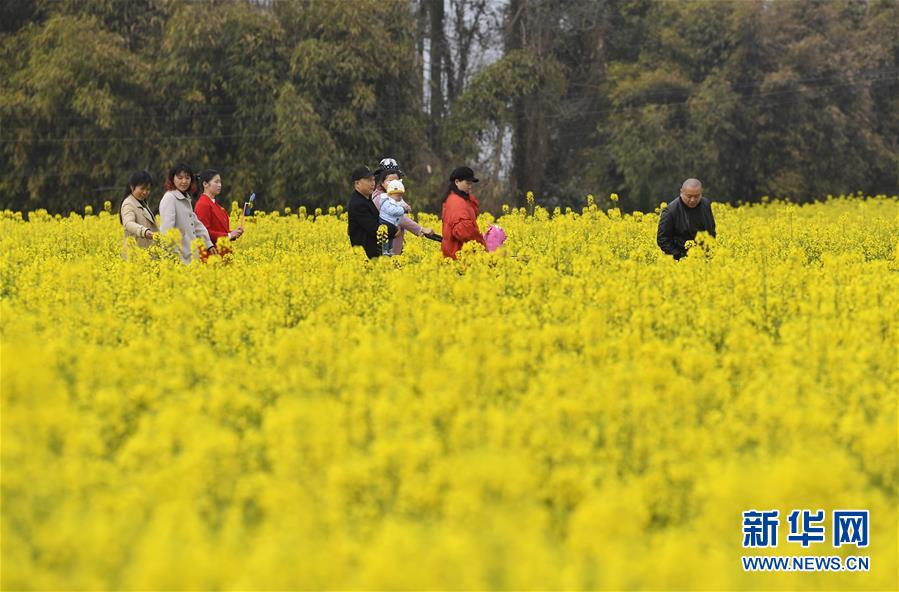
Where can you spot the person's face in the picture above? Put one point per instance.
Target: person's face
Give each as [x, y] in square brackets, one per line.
[388, 179]
[182, 181]
[464, 185]
[213, 187]
[691, 196]
[365, 185]
[141, 192]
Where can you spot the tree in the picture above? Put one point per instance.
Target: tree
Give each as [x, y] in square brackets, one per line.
[562, 98]
[753, 98]
[352, 94]
[492, 101]
[215, 82]
[72, 111]
[532, 24]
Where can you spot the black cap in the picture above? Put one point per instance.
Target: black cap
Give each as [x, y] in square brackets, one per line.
[463, 174]
[362, 172]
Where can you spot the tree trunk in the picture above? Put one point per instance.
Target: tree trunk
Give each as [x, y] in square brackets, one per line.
[438, 50]
[528, 27]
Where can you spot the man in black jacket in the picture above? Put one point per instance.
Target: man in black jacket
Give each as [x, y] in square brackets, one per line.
[683, 218]
[362, 215]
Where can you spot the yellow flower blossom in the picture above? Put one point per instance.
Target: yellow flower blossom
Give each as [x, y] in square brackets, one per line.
[578, 412]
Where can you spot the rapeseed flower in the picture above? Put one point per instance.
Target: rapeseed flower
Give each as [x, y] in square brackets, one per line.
[580, 412]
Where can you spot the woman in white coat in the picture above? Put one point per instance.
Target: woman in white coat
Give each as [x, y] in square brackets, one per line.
[176, 211]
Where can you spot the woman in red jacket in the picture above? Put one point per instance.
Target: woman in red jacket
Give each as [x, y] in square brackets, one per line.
[213, 216]
[460, 213]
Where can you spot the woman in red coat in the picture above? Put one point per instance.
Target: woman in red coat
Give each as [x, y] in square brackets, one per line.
[213, 216]
[460, 213]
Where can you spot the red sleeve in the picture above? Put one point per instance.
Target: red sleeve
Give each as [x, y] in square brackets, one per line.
[461, 223]
[215, 235]
[466, 230]
[205, 214]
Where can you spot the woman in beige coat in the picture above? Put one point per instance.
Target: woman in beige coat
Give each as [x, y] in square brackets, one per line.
[176, 211]
[136, 216]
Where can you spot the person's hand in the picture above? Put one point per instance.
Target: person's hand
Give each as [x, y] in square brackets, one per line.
[236, 233]
[151, 235]
[426, 230]
[407, 207]
[212, 250]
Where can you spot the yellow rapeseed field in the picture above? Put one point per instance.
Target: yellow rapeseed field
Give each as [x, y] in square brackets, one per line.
[575, 411]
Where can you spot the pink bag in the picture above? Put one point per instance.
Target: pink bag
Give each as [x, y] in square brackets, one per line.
[494, 237]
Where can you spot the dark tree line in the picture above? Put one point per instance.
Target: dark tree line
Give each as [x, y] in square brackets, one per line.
[795, 98]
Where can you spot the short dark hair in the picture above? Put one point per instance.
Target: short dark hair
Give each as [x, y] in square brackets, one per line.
[382, 174]
[180, 167]
[138, 179]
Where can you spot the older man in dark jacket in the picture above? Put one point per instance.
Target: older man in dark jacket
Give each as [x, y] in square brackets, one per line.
[683, 218]
[362, 214]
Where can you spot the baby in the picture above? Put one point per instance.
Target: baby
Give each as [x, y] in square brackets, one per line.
[392, 211]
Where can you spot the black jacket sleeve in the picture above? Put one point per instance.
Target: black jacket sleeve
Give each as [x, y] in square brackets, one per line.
[665, 234]
[362, 215]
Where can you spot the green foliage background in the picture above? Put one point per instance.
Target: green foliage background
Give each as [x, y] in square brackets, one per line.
[797, 98]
